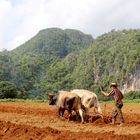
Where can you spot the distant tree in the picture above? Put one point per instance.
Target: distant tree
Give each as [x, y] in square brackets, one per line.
[22, 92]
[7, 90]
[132, 95]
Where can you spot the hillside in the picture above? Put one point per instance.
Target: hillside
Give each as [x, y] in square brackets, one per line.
[66, 59]
[111, 58]
[27, 65]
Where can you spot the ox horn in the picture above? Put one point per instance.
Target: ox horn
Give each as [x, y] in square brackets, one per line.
[50, 95]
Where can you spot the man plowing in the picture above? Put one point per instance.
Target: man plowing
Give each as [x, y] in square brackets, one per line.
[118, 96]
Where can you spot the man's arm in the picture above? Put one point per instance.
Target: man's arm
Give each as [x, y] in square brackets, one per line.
[105, 94]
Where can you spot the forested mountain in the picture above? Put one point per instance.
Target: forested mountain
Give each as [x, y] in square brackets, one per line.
[28, 64]
[66, 59]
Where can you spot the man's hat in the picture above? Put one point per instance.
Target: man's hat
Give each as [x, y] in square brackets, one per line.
[113, 85]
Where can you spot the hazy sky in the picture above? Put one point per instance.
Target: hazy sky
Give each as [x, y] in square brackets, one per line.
[22, 19]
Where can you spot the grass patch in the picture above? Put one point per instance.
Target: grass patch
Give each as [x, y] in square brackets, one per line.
[22, 100]
[39, 100]
[131, 100]
[125, 101]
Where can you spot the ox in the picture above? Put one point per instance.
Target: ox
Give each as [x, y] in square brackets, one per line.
[65, 100]
[88, 99]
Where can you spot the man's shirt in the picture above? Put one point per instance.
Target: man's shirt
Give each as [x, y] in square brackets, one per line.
[118, 96]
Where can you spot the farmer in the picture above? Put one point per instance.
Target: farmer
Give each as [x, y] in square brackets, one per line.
[118, 96]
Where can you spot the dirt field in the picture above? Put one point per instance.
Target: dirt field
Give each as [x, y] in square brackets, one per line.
[39, 121]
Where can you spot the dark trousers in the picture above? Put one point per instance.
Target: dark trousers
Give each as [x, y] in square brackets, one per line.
[118, 111]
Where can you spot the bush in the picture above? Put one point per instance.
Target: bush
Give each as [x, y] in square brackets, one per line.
[132, 95]
[7, 90]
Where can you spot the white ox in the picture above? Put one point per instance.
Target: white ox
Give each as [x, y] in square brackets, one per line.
[88, 99]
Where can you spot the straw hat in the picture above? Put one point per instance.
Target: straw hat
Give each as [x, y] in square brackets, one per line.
[113, 85]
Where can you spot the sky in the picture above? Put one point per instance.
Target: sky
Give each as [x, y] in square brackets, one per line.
[22, 19]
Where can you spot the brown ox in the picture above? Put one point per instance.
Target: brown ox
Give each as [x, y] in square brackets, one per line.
[67, 101]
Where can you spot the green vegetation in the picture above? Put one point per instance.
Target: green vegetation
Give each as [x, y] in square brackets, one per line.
[125, 101]
[42, 100]
[7, 90]
[107, 60]
[131, 101]
[67, 59]
[132, 95]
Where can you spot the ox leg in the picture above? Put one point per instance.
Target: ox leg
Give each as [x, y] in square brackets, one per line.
[81, 115]
[77, 115]
[69, 114]
[60, 111]
[63, 110]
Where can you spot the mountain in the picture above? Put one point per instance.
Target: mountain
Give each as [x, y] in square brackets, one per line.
[55, 41]
[57, 59]
[27, 65]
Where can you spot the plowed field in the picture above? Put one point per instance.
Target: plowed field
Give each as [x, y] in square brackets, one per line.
[39, 121]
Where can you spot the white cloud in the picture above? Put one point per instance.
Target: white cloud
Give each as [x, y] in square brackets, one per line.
[20, 20]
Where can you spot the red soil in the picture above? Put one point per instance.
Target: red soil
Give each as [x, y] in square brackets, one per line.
[39, 121]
